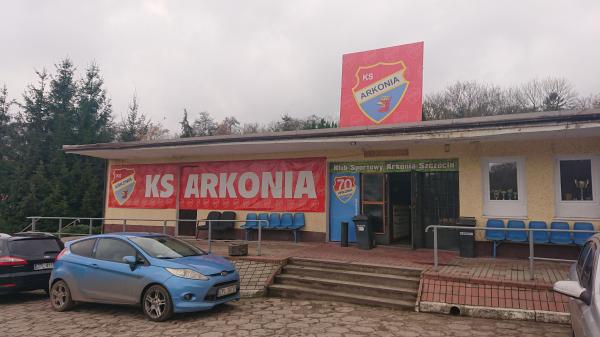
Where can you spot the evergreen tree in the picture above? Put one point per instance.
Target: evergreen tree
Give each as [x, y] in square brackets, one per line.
[61, 104]
[94, 110]
[134, 126]
[186, 128]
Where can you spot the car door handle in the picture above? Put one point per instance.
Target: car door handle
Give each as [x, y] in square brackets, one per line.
[93, 265]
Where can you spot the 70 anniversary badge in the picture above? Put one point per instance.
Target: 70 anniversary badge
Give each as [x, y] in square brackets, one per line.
[382, 86]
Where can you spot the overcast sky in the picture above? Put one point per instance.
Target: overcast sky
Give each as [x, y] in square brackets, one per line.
[258, 59]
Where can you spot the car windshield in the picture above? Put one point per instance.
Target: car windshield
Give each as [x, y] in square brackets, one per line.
[165, 247]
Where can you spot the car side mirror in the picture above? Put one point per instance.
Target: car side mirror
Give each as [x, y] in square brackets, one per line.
[574, 290]
[131, 261]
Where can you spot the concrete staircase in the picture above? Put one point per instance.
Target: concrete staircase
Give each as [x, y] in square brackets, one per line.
[394, 287]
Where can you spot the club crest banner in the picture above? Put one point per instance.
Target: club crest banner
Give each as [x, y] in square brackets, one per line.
[143, 186]
[382, 86]
[284, 185]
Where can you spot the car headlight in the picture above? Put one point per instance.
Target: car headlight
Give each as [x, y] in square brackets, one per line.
[187, 273]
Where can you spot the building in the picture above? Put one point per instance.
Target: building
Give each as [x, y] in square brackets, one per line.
[534, 166]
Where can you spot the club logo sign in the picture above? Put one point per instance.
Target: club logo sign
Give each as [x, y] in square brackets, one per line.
[379, 89]
[344, 187]
[123, 184]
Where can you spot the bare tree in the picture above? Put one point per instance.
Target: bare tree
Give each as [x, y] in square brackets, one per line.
[228, 126]
[558, 94]
[204, 125]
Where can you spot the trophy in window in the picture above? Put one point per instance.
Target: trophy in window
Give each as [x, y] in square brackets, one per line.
[582, 185]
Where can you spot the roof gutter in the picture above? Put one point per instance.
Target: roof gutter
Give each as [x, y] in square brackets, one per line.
[438, 125]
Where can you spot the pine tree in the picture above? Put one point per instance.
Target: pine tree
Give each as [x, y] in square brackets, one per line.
[94, 110]
[186, 128]
[134, 126]
[61, 99]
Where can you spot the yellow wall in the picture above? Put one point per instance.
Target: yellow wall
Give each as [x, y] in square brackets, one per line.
[539, 174]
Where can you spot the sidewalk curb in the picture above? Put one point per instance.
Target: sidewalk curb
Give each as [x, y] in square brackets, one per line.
[497, 313]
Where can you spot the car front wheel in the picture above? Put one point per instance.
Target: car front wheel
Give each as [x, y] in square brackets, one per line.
[157, 304]
[60, 296]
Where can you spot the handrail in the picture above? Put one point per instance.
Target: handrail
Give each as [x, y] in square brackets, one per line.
[125, 221]
[531, 242]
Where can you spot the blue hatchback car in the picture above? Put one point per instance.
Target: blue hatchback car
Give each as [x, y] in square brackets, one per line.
[161, 273]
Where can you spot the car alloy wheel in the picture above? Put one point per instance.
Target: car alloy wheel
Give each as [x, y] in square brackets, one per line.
[157, 303]
[60, 296]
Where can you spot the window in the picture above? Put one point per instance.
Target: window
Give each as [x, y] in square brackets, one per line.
[164, 247]
[504, 187]
[83, 248]
[503, 181]
[35, 247]
[576, 180]
[577, 187]
[114, 250]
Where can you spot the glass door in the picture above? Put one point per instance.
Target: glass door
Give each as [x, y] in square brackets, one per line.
[373, 200]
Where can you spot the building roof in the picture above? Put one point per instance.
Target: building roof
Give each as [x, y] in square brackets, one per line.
[535, 125]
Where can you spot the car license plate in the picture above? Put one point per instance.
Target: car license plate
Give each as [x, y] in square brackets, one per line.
[227, 291]
[42, 266]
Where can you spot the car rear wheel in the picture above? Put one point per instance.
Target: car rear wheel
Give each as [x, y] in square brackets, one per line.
[60, 296]
[157, 304]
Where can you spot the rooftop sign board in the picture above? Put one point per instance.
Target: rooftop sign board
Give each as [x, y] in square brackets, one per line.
[382, 86]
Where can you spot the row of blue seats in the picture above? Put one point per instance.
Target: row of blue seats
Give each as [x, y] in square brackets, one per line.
[543, 236]
[284, 221]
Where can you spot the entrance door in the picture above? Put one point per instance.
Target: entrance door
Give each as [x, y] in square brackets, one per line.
[187, 228]
[374, 204]
[399, 211]
[343, 204]
[440, 207]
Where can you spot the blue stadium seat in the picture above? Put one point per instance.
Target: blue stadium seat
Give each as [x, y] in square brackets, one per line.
[539, 236]
[287, 220]
[495, 235]
[560, 238]
[275, 221]
[516, 236]
[581, 238]
[298, 224]
[249, 224]
[298, 221]
[265, 217]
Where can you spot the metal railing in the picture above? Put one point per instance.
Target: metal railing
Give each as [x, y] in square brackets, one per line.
[124, 222]
[529, 231]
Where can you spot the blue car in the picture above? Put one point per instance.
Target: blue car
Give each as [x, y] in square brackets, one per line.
[159, 272]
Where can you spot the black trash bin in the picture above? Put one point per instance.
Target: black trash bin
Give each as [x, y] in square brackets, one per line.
[344, 234]
[466, 237]
[364, 232]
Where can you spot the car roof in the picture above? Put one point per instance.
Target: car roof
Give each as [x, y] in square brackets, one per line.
[28, 235]
[126, 234]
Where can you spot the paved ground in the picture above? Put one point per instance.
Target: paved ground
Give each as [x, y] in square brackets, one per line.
[30, 315]
[384, 255]
[254, 276]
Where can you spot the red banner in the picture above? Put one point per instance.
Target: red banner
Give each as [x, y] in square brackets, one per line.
[292, 185]
[143, 186]
[382, 86]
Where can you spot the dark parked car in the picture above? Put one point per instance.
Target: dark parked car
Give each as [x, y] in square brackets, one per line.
[26, 261]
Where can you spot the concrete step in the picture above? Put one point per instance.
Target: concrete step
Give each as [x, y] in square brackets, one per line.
[285, 290]
[398, 281]
[363, 267]
[375, 290]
